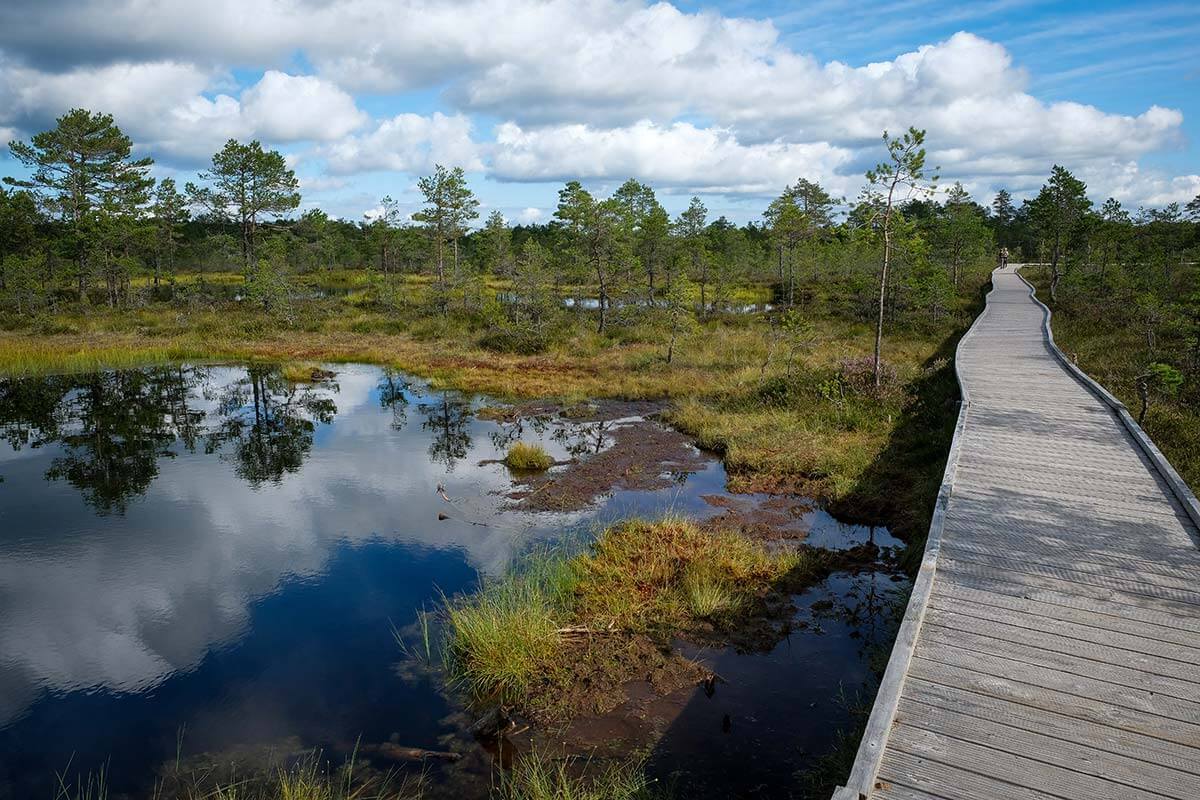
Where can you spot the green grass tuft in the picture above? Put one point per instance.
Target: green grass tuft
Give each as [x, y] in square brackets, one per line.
[537, 777]
[528, 457]
[511, 640]
[706, 594]
[299, 373]
[506, 635]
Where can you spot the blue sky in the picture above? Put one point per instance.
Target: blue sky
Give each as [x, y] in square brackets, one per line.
[730, 100]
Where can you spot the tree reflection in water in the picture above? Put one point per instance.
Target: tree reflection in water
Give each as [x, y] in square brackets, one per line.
[270, 423]
[449, 422]
[393, 395]
[114, 427]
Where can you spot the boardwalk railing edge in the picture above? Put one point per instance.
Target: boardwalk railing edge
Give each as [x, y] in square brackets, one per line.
[1178, 486]
[883, 712]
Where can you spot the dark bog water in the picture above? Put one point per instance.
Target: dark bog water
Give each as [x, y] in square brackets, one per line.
[196, 560]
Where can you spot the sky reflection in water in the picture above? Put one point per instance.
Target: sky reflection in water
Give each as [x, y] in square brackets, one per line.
[218, 551]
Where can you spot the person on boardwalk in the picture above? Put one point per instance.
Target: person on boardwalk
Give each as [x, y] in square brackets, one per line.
[1004, 256]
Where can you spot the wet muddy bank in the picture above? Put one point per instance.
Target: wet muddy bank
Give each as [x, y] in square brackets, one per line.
[703, 700]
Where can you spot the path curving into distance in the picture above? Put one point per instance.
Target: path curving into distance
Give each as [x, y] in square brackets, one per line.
[1051, 647]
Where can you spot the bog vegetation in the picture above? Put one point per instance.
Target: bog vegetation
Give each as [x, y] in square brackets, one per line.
[812, 348]
[839, 376]
[521, 639]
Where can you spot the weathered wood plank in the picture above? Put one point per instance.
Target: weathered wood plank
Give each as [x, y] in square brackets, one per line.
[1161, 756]
[1084, 706]
[1062, 566]
[1040, 585]
[1050, 550]
[1015, 770]
[1070, 595]
[1055, 650]
[925, 774]
[1136, 671]
[1093, 631]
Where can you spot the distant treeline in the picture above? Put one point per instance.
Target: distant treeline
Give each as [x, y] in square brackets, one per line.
[89, 220]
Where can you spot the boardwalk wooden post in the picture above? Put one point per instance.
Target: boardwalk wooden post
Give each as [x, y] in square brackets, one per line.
[1051, 646]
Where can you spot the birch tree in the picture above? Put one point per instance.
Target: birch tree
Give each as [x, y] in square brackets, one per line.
[900, 177]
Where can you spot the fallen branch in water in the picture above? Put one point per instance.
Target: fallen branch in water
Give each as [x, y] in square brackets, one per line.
[399, 753]
[584, 630]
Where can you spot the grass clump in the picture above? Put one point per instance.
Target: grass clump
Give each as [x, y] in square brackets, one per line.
[300, 373]
[309, 777]
[537, 777]
[706, 594]
[522, 639]
[506, 634]
[642, 576]
[526, 456]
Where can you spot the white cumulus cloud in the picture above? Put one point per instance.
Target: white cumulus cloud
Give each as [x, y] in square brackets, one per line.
[168, 109]
[408, 143]
[283, 107]
[696, 99]
[679, 155]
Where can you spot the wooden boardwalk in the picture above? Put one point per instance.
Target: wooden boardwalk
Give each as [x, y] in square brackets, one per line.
[1051, 648]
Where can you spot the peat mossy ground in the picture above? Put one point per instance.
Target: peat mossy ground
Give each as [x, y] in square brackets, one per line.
[559, 636]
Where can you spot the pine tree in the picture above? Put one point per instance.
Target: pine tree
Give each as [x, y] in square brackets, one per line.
[248, 185]
[84, 172]
[1058, 215]
[170, 212]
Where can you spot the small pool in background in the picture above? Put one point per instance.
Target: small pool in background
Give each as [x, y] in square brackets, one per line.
[198, 559]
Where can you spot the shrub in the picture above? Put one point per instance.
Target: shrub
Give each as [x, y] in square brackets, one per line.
[858, 375]
[519, 340]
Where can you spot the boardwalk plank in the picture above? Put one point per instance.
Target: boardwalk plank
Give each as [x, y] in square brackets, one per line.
[1014, 770]
[1087, 707]
[1159, 757]
[1097, 631]
[1057, 644]
[1065, 656]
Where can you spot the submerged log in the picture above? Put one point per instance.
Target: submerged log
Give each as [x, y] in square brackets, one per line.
[400, 753]
[493, 724]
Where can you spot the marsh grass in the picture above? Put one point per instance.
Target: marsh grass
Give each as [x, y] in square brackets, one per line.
[92, 786]
[706, 594]
[532, 457]
[505, 636]
[536, 776]
[639, 575]
[299, 372]
[307, 778]
[512, 641]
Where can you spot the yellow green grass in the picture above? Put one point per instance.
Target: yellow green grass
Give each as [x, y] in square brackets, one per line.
[309, 777]
[299, 372]
[523, 455]
[509, 642]
[536, 776]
